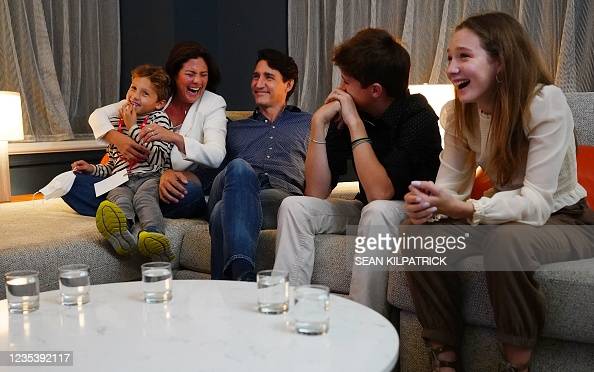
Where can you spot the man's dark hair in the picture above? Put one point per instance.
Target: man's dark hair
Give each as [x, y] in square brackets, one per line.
[186, 50]
[374, 56]
[282, 63]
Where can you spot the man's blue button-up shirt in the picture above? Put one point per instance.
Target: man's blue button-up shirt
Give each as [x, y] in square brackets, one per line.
[275, 150]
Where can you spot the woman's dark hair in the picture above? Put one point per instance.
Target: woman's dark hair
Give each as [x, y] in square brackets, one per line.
[186, 50]
[282, 63]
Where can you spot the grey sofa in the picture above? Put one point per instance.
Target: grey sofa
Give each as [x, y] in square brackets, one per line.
[567, 343]
[45, 234]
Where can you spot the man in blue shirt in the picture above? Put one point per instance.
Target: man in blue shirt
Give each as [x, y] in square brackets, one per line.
[265, 155]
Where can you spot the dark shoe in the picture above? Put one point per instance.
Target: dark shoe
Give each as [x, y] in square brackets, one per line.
[506, 366]
[437, 364]
[248, 276]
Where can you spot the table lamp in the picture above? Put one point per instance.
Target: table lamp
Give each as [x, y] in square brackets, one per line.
[11, 129]
[437, 95]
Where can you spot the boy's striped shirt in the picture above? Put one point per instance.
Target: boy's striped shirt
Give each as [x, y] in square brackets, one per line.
[160, 151]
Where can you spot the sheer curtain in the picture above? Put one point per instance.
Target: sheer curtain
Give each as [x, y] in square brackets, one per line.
[562, 30]
[63, 56]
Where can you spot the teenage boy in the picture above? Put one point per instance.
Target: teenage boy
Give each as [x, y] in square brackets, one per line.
[392, 138]
[267, 152]
[139, 196]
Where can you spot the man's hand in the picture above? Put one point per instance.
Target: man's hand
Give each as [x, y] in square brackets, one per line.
[128, 114]
[81, 166]
[348, 110]
[326, 114]
[172, 186]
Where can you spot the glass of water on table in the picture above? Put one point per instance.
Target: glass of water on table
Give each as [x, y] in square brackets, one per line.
[156, 282]
[22, 291]
[273, 291]
[75, 284]
[310, 310]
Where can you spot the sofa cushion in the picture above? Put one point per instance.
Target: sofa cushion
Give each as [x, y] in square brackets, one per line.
[582, 110]
[195, 252]
[568, 289]
[45, 234]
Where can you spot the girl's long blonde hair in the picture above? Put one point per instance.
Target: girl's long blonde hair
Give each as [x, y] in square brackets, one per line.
[522, 70]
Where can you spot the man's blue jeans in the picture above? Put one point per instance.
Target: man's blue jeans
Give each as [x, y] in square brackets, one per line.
[237, 206]
[82, 199]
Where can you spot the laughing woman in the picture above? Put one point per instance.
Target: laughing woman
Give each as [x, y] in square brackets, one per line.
[200, 126]
[509, 119]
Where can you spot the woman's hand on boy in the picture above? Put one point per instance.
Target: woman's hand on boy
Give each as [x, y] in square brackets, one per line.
[127, 147]
[81, 166]
[154, 132]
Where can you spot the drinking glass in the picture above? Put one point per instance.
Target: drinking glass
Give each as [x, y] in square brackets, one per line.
[75, 283]
[22, 291]
[273, 291]
[156, 282]
[310, 311]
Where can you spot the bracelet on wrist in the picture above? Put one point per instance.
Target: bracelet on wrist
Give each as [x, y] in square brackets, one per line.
[316, 141]
[359, 141]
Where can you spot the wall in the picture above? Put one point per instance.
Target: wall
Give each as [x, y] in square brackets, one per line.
[232, 30]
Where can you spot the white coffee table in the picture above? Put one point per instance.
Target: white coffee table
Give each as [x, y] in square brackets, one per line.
[208, 326]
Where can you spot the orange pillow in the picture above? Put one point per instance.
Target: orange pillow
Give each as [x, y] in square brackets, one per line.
[585, 175]
[585, 171]
[482, 183]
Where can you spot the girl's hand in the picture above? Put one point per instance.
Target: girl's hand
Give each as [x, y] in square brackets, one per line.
[433, 196]
[417, 207]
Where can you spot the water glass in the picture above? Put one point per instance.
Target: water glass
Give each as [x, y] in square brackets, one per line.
[22, 291]
[156, 282]
[273, 291]
[310, 311]
[75, 283]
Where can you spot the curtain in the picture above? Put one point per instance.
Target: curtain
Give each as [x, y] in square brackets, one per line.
[63, 57]
[560, 29]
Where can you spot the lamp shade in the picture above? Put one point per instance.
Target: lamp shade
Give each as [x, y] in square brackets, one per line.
[437, 94]
[11, 125]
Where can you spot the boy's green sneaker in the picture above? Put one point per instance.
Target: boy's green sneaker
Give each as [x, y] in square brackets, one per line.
[152, 244]
[113, 225]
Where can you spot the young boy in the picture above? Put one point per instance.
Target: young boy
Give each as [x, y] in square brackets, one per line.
[139, 196]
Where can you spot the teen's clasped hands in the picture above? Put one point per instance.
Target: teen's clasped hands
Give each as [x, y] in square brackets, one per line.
[425, 199]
